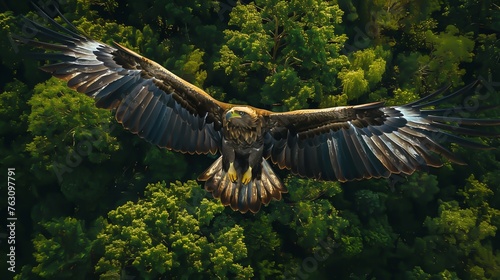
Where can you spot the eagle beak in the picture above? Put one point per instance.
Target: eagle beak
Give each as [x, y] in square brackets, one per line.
[232, 114]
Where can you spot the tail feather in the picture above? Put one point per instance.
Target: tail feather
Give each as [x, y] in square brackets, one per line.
[265, 198]
[241, 198]
[260, 190]
[273, 182]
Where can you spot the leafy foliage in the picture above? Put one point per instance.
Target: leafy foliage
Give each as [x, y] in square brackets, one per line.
[172, 231]
[283, 51]
[64, 252]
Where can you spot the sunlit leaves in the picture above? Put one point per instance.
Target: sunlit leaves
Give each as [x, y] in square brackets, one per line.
[476, 193]
[354, 83]
[162, 235]
[402, 97]
[66, 131]
[449, 49]
[365, 71]
[461, 227]
[467, 229]
[190, 66]
[63, 251]
[58, 115]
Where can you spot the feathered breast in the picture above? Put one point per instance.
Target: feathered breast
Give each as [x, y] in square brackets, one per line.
[242, 136]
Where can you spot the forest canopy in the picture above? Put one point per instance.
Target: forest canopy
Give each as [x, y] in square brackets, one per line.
[93, 201]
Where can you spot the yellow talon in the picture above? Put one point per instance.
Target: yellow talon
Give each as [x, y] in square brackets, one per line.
[247, 176]
[233, 176]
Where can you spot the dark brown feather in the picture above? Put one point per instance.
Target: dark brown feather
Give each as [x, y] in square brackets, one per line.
[149, 100]
[370, 140]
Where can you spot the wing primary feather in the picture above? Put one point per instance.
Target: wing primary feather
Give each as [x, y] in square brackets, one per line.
[291, 154]
[60, 27]
[391, 161]
[191, 144]
[465, 131]
[414, 159]
[458, 109]
[82, 78]
[179, 136]
[350, 160]
[51, 34]
[148, 131]
[52, 57]
[430, 96]
[149, 113]
[429, 159]
[278, 153]
[335, 160]
[357, 163]
[327, 172]
[419, 105]
[465, 121]
[102, 78]
[311, 158]
[173, 122]
[429, 142]
[405, 163]
[363, 153]
[201, 141]
[97, 80]
[129, 104]
[46, 45]
[300, 161]
[142, 99]
[164, 135]
[421, 148]
[380, 162]
[466, 142]
[440, 150]
[157, 132]
[110, 96]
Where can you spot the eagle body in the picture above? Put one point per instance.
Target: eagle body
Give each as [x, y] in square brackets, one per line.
[242, 178]
[336, 144]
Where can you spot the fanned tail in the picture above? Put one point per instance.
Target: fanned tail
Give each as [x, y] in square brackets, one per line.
[263, 187]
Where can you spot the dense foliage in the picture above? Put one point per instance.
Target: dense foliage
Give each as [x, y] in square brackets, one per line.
[96, 202]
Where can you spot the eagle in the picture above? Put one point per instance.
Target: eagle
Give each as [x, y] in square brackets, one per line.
[333, 144]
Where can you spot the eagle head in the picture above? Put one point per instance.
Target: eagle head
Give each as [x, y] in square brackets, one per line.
[242, 117]
[243, 126]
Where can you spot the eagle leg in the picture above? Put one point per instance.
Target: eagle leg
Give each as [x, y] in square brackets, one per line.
[231, 172]
[247, 176]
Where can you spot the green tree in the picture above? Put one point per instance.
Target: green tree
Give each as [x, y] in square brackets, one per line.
[171, 232]
[448, 50]
[283, 52]
[63, 251]
[364, 72]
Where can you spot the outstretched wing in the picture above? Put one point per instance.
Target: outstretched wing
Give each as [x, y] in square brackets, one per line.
[148, 99]
[370, 140]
